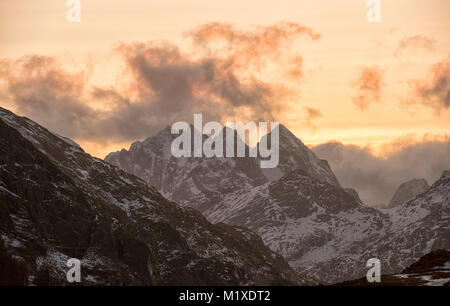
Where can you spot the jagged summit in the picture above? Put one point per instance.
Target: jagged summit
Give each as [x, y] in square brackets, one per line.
[294, 154]
[144, 158]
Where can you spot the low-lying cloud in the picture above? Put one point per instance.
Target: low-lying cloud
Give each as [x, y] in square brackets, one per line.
[377, 178]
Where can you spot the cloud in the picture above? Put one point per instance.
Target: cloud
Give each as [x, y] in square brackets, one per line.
[224, 77]
[311, 114]
[368, 85]
[42, 90]
[376, 178]
[242, 48]
[415, 42]
[177, 85]
[434, 90]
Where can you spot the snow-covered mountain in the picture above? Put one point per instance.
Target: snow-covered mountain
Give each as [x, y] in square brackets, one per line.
[419, 226]
[295, 155]
[202, 182]
[298, 208]
[407, 191]
[327, 234]
[319, 228]
[57, 202]
[195, 181]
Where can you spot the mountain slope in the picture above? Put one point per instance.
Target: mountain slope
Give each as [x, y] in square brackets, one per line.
[432, 269]
[57, 202]
[319, 228]
[419, 226]
[407, 191]
[295, 155]
[298, 208]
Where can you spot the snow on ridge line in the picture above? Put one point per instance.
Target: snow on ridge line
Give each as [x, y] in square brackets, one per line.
[67, 140]
[11, 119]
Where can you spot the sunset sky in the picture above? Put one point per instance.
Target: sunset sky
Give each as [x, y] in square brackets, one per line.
[316, 66]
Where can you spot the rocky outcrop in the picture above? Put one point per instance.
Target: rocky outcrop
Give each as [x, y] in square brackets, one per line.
[201, 182]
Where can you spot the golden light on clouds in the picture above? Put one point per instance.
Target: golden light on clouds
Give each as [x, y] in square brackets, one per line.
[289, 60]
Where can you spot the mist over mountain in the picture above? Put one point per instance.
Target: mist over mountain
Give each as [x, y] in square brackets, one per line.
[201, 182]
[376, 178]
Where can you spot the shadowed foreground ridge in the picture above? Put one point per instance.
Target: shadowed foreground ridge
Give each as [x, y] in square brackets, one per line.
[57, 202]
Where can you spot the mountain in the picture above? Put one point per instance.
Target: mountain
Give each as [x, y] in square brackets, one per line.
[353, 193]
[202, 182]
[192, 181]
[407, 191]
[327, 234]
[298, 208]
[57, 202]
[295, 155]
[432, 269]
[419, 226]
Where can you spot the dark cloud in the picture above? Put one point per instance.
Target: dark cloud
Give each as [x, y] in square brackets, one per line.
[415, 42]
[434, 91]
[161, 84]
[40, 89]
[377, 178]
[368, 85]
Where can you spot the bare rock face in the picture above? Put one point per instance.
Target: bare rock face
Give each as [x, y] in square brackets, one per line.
[407, 191]
[57, 202]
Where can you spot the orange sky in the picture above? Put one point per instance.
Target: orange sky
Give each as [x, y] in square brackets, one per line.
[330, 64]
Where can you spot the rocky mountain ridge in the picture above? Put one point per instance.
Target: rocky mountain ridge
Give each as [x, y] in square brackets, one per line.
[57, 202]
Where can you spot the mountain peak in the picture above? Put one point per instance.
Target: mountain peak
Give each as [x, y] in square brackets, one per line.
[294, 154]
[407, 191]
